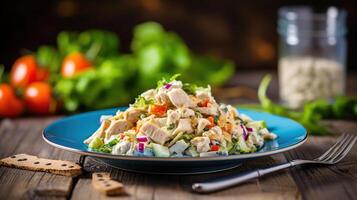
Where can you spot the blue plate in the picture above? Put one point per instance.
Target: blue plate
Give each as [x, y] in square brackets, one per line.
[68, 134]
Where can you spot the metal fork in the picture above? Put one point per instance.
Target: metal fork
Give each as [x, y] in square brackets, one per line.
[332, 156]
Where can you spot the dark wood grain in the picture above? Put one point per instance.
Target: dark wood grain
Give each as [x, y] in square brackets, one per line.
[24, 136]
[143, 186]
[333, 182]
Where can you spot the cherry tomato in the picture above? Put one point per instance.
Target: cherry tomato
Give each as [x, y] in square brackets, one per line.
[39, 100]
[10, 105]
[23, 72]
[214, 147]
[73, 64]
[157, 109]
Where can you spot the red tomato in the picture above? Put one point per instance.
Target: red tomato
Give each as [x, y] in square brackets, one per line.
[214, 147]
[157, 109]
[73, 64]
[39, 100]
[23, 72]
[10, 105]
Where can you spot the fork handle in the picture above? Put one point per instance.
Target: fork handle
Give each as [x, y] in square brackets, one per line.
[226, 182]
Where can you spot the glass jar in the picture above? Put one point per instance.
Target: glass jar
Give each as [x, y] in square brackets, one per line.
[312, 54]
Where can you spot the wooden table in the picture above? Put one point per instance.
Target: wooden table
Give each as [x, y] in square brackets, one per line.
[24, 136]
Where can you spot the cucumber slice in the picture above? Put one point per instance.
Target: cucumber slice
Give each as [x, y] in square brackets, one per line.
[242, 146]
[96, 143]
[257, 125]
[191, 151]
[160, 151]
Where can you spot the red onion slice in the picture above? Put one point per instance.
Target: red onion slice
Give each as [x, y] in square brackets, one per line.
[245, 132]
[142, 139]
[141, 147]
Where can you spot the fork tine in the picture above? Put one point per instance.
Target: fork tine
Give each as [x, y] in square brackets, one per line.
[345, 152]
[339, 148]
[340, 139]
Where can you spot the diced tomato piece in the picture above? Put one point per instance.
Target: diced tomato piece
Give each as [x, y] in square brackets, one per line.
[203, 103]
[211, 119]
[157, 109]
[214, 147]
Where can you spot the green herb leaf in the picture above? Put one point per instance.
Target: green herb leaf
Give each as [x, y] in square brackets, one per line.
[165, 81]
[141, 102]
[171, 126]
[216, 118]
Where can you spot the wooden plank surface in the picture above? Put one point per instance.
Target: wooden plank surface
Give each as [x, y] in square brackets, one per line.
[24, 136]
[333, 182]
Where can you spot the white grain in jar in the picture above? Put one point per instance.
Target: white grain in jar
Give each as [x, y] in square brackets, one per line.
[304, 79]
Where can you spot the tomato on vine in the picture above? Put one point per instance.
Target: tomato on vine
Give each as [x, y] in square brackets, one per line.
[10, 104]
[39, 99]
[25, 71]
[74, 63]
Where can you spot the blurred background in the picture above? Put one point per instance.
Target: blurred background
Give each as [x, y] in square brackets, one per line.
[87, 55]
[244, 31]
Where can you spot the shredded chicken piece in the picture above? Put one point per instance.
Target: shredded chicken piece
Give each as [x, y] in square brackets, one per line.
[184, 125]
[132, 114]
[172, 117]
[179, 98]
[186, 112]
[202, 123]
[150, 94]
[201, 143]
[155, 132]
[212, 110]
[100, 132]
[116, 127]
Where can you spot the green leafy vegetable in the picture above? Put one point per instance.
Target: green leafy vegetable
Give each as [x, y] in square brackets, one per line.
[105, 86]
[189, 88]
[188, 137]
[215, 119]
[113, 142]
[313, 112]
[116, 78]
[165, 81]
[49, 58]
[141, 102]
[105, 149]
[312, 124]
[171, 126]
[343, 107]
[97, 45]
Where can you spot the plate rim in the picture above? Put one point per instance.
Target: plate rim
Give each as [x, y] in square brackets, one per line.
[173, 159]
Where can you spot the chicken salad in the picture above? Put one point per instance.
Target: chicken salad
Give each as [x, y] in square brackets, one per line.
[178, 119]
